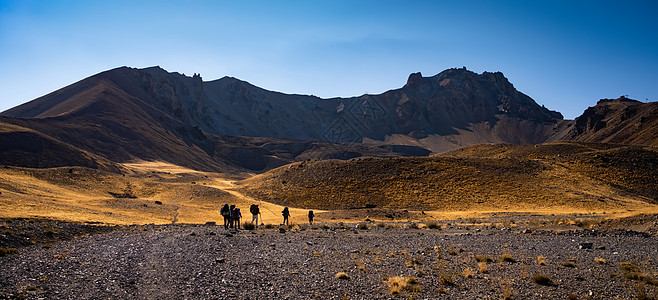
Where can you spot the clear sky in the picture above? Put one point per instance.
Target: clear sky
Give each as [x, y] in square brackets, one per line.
[564, 54]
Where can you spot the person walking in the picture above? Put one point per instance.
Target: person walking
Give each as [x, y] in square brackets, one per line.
[231, 216]
[254, 210]
[311, 215]
[236, 217]
[285, 214]
[226, 213]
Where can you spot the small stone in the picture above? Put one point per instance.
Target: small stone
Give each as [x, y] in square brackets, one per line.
[220, 260]
[585, 246]
[281, 230]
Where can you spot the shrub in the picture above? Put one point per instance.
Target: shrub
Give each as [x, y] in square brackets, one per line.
[398, 284]
[362, 226]
[542, 279]
[432, 225]
[7, 251]
[541, 260]
[342, 275]
[413, 225]
[249, 226]
[269, 226]
[468, 273]
[483, 258]
[600, 260]
[570, 264]
[508, 258]
[483, 267]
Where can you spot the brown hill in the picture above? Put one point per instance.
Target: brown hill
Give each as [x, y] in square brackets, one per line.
[99, 115]
[621, 120]
[552, 176]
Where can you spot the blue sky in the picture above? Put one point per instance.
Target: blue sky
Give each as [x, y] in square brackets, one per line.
[564, 54]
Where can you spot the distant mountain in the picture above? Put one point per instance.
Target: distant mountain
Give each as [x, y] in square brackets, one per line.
[621, 121]
[453, 108]
[230, 125]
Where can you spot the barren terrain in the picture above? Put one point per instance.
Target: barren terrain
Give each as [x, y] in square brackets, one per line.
[507, 258]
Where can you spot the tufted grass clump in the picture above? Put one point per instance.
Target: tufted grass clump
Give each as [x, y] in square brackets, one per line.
[7, 251]
[248, 226]
[542, 279]
[432, 225]
[399, 284]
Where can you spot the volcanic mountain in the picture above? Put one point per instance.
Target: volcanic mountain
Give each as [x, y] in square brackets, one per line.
[227, 124]
[621, 121]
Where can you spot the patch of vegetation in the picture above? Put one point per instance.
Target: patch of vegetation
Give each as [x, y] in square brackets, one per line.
[248, 226]
[483, 258]
[542, 279]
[508, 258]
[7, 251]
[342, 275]
[400, 284]
[432, 225]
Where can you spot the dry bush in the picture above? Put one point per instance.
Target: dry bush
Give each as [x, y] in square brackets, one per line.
[508, 258]
[468, 273]
[483, 258]
[600, 260]
[438, 251]
[342, 275]
[541, 260]
[482, 266]
[506, 289]
[7, 251]
[432, 225]
[399, 284]
[248, 226]
[542, 279]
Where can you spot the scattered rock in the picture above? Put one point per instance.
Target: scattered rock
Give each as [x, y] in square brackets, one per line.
[585, 246]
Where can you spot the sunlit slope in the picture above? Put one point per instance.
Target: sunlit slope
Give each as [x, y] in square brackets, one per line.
[146, 192]
[488, 177]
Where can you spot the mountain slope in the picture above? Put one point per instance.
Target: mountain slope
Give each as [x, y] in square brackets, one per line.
[621, 120]
[484, 177]
[453, 108]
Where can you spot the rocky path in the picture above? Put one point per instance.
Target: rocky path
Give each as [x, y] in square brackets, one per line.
[207, 262]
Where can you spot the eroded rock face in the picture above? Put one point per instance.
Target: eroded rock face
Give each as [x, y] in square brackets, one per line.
[621, 120]
[439, 105]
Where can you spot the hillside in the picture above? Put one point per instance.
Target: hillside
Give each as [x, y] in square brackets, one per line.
[554, 176]
[97, 116]
[621, 121]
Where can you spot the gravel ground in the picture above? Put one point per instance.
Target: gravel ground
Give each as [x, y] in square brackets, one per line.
[208, 262]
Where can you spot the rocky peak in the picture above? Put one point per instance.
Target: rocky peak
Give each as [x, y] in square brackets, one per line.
[414, 80]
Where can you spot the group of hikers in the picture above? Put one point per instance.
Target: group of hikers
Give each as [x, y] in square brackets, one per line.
[232, 215]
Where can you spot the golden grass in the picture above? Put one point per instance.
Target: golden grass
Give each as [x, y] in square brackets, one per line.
[399, 284]
[189, 196]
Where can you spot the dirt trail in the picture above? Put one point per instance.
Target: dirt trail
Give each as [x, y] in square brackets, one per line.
[270, 213]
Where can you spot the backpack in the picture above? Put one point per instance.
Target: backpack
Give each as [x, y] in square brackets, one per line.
[225, 212]
[253, 209]
[311, 214]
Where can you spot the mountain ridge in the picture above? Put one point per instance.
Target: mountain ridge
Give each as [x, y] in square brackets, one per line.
[125, 114]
